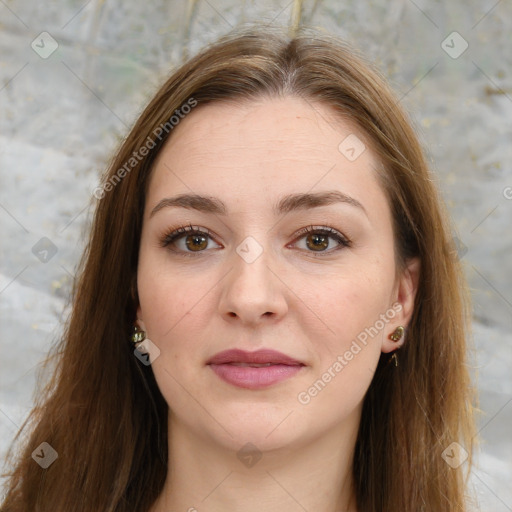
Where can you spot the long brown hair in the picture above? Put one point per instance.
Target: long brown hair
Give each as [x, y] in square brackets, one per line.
[103, 412]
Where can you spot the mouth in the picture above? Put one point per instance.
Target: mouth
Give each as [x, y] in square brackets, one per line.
[254, 370]
[263, 357]
[253, 365]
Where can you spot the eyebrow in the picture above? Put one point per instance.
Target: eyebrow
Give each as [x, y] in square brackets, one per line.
[289, 203]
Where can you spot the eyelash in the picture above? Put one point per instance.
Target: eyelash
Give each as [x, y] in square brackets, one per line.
[172, 236]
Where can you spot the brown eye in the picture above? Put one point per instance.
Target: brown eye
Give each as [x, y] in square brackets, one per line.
[317, 241]
[196, 242]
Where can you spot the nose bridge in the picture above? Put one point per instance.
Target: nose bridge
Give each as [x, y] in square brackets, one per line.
[252, 290]
[251, 268]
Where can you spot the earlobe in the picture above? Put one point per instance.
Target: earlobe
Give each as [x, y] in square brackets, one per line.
[407, 288]
[139, 321]
[135, 297]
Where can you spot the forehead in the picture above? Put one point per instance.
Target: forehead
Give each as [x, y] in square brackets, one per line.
[259, 149]
[289, 126]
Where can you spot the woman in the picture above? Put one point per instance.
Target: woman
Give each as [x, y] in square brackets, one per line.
[269, 313]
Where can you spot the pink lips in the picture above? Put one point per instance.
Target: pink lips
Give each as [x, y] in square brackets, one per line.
[253, 370]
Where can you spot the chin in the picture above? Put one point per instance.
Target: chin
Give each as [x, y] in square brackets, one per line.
[267, 426]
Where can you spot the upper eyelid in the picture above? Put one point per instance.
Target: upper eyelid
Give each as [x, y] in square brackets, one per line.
[181, 231]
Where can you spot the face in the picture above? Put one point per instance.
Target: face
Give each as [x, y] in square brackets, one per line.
[264, 269]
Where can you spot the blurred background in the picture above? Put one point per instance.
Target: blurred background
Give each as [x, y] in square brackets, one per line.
[74, 75]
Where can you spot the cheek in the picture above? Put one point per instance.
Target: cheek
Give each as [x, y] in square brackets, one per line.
[356, 310]
[351, 301]
[175, 306]
[173, 309]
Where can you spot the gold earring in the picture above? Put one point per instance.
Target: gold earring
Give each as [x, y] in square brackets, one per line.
[397, 334]
[138, 335]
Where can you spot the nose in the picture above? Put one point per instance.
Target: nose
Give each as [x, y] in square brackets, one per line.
[253, 293]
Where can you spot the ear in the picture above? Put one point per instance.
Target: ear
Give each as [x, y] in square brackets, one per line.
[403, 300]
[139, 321]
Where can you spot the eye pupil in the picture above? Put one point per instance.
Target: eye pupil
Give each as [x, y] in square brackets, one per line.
[197, 243]
[317, 239]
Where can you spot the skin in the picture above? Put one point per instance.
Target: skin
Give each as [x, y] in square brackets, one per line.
[307, 303]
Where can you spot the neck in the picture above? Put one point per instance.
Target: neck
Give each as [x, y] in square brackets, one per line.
[204, 476]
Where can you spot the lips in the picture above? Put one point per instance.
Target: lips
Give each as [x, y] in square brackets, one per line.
[260, 357]
[254, 370]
